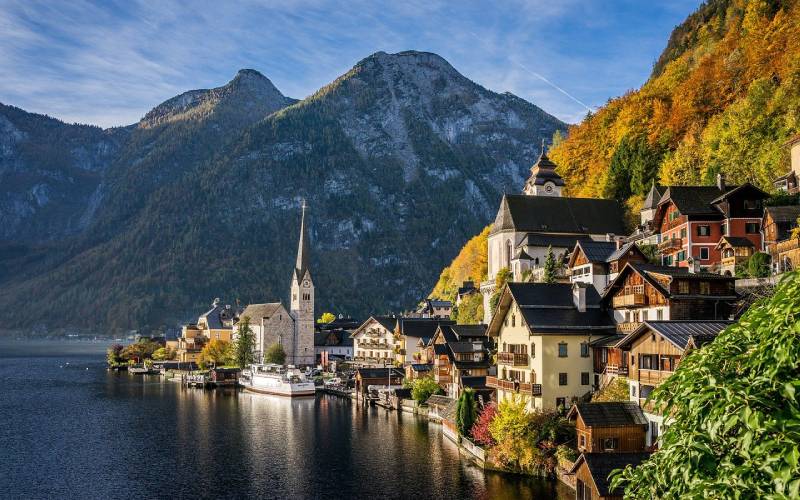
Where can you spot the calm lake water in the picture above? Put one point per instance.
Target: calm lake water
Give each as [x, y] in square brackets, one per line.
[73, 430]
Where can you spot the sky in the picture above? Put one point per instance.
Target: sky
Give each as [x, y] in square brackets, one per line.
[107, 63]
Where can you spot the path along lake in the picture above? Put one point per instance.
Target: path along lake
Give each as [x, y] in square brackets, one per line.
[71, 429]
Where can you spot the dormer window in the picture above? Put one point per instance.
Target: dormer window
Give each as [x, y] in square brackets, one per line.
[752, 204]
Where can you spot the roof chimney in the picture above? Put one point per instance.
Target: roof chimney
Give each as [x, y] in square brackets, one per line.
[579, 296]
[721, 181]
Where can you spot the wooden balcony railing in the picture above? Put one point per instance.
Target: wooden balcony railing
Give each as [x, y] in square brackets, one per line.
[617, 370]
[630, 300]
[512, 358]
[670, 244]
[787, 245]
[653, 377]
[514, 386]
[444, 379]
[627, 327]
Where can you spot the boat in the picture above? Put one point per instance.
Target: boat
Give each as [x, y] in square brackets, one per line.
[275, 379]
[141, 370]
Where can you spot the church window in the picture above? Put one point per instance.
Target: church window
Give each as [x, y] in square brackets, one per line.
[508, 254]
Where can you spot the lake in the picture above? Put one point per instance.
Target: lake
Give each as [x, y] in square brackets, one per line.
[71, 429]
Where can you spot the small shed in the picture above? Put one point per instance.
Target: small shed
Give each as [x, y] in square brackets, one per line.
[609, 427]
[591, 472]
[366, 377]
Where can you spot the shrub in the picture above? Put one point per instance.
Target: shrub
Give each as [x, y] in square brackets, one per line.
[466, 411]
[423, 388]
[275, 354]
[480, 430]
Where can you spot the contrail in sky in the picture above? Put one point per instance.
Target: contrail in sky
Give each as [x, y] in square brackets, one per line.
[545, 80]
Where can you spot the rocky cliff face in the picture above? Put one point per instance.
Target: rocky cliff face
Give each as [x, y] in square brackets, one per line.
[400, 159]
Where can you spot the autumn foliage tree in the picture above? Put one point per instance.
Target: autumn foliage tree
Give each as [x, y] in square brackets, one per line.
[480, 432]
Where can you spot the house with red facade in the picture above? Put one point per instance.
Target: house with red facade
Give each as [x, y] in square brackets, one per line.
[693, 219]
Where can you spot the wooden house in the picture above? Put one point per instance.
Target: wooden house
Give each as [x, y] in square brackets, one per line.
[461, 358]
[645, 292]
[607, 360]
[599, 262]
[366, 377]
[591, 472]
[734, 251]
[609, 427]
[655, 350]
[777, 227]
[412, 334]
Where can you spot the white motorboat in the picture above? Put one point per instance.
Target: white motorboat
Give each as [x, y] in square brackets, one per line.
[275, 379]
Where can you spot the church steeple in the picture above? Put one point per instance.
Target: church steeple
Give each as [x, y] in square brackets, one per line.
[544, 181]
[301, 265]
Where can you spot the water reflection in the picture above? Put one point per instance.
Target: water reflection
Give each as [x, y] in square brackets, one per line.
[98, 434]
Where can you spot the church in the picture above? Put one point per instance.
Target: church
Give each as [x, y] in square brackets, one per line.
[293, 329]
[528, 224]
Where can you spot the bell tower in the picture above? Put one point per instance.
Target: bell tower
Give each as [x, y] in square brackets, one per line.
[302, 303]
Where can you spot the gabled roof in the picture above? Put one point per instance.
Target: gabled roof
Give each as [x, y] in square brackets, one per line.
[783, 214]
[682, 334]
[555, 214]
[420, 327]
[387, 322]
[418, 367]
[609, 414]
[649, 272]
[469, 331]
[550, 308]
[596, 251]
[549, 240]
[735, 242]
[621, 251]
[653, 196]
[609, 341]
[694, 200]
[258, 311]
[217, 316]
[601, 465]
[379, 372]
[741, 189]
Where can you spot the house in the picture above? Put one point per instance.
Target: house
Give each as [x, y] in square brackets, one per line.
[608, 361]
[374, 342]
[591, 472]
[411, 334]
[416, 371]
[777, 227]
[609, 427]
[366, 377]
[433, 308]
[294, 328]
[542, 334]
[734, 251]
[693, 219]
[598, 262]
[466, 289]
[646, 233]
[655, 350]
[332, 344]
[528, 224]
[644, 292]
[790, 182]
[460, 355]
[214, 324]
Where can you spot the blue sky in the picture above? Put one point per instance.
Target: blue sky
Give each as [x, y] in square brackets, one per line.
[108, 63]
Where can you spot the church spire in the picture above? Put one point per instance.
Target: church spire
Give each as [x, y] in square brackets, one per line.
[302, 248]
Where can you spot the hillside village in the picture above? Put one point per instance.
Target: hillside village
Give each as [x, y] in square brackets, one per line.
[581, 321]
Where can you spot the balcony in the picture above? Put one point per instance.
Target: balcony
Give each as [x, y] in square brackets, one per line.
[627, 327]
[367, 344]
[670, 244]
[514, 386]
[512, 358]
[630, 300]
[787, 245]
[444, 379]
[616, 370]
[653, 377]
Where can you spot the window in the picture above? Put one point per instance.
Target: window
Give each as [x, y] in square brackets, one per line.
[681, 256]
[561, 403]
[644, 315]
[751, 228]
[533, 350]
[704, 253]
[683, 287]
[659, 314]
[562, 378]
[627, 316]
[645, 362]
[513, 320]
[683, 233]
[704, 230]
[562, 350]
[705, 288]
[508, 254]
[584, 349]
[653, 431]
[633, 391]
[583, 440]
[609, 443]
[724, 229]
[668, 260]
[752, 204]
[584, 378]
[604, 355]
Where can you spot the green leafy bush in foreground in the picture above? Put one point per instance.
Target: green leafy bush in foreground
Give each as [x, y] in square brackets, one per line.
[735, 417]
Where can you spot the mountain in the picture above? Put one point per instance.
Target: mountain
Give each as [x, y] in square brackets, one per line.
[399, 160]
[723, 97]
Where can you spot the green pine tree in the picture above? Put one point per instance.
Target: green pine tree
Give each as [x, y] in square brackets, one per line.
[550, 267]
[244, 345]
